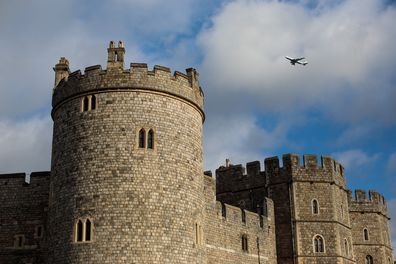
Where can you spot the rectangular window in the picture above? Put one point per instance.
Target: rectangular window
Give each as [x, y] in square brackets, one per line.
[39, 231]
[244, 243]
[19, 241]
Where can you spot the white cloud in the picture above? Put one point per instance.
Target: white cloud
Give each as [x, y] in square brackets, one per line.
[355, 134]
[349, 48]
[35, 35]
[355, 158]
[25, 145]
[240, 139]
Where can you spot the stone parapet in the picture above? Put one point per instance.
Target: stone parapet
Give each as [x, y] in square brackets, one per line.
[138, 77]
[374, 202]
[328, 170]
[236, 177]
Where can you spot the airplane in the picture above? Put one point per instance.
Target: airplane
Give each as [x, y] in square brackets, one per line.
[293, 61]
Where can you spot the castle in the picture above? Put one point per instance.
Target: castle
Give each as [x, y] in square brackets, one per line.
[127, 186]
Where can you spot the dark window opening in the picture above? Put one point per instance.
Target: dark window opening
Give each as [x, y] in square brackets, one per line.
[243, 216]
[93, 102]
[244, 243]
[261, 221]
[39, 231]
[366, 235]
[142, 138]
[150, 139]
[88, 230]
[223, 210]
[20, 241]
[79, 231]
[315, 207]
[85, 104]
[318, 244]
[369, 259]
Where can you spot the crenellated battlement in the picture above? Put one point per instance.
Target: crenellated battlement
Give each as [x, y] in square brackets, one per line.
[374, 202]
[293, 161]
[306, 168]
[115, 77]
[23, 179]
[232, 178]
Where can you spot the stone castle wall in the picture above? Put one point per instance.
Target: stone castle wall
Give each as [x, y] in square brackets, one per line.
[242, 187]
[151, 203]
[143, 202]
[370, 213]
[23, 211]
[225, 225]
[302, 183]
[292, 187]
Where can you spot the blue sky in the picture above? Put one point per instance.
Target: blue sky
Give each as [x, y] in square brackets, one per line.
[341, 104]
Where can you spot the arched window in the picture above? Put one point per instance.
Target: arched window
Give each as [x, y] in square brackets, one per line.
[93, 102]
[315, 206]
[88, 230]
[365, 234]
[318, 244]
[245, 243]
[79, 231]
[243, 216]
[84, 230]
[142, 138]
[85, 104]
[150, 139]
[369, 259]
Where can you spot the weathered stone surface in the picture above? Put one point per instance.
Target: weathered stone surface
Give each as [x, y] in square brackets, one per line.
[127, 171]
[23, 210]
[293, 187]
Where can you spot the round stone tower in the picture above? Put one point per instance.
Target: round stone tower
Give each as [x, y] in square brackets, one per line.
[126, 174]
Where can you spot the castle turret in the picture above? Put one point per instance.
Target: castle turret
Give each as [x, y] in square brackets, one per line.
[311, 209]
[370, 227]
[115, 57]
[61, 70]
[126, 174]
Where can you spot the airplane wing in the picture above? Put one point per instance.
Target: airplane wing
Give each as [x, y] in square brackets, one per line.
[300, 59]
[302, 62]
[289, 58]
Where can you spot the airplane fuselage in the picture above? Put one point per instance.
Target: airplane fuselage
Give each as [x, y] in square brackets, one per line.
[293, 61]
